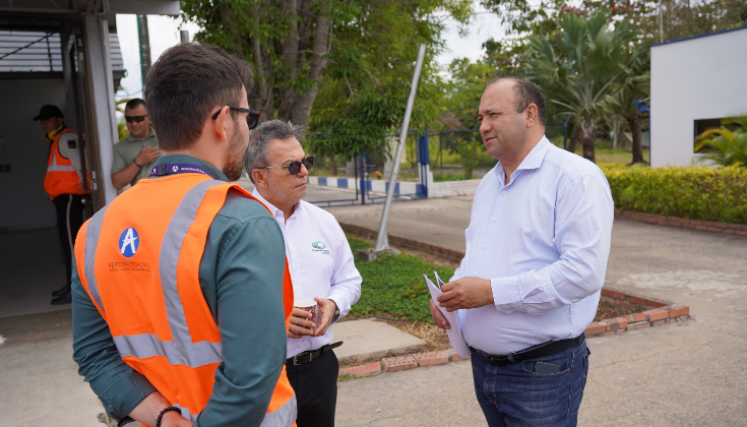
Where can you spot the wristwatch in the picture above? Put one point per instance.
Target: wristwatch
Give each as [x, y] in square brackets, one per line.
[136, 163]
[337, 313]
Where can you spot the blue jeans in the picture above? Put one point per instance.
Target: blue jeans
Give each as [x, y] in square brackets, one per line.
[517, 395]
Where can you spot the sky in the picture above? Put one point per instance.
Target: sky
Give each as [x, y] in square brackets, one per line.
[164, 33]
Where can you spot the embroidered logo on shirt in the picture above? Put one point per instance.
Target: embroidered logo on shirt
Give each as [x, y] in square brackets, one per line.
[129, 242]
[319, 247]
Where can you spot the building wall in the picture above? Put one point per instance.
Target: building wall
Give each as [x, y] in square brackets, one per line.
[23, 147]
[699, 78]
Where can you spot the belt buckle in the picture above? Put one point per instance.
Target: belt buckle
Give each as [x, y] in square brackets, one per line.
[295, 359]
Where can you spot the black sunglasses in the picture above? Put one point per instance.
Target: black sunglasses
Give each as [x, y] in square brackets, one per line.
[136, 119]
[295, 167]
[252, 118]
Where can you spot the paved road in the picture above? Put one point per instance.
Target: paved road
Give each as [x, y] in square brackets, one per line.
[690, 374]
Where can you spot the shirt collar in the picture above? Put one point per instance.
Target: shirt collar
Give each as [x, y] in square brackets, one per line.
[533, 160]
[152, 134]
[214, 172]
[276, 212]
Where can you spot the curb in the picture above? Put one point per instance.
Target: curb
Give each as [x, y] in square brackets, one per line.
[692, 224]
[660, 312]
[367, 233]
[403, 363]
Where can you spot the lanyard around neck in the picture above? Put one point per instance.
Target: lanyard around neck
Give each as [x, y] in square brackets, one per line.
[176, 168]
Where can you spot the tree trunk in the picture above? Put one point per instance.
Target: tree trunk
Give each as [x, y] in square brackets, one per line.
[635, 129]
[231, 30]
[575, 138]
[261, 97]
[588, 139]
[332, 165]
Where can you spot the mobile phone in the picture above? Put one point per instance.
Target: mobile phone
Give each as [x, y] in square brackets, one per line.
[544, 368]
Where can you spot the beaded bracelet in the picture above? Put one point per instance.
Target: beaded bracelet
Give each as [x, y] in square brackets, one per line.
[160, 416]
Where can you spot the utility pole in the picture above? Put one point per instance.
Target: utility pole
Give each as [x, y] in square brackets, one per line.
[661, 24]
[144, 39]
[382, 241]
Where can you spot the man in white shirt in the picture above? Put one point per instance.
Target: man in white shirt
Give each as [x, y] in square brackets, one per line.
[536, 257]
[320, 260]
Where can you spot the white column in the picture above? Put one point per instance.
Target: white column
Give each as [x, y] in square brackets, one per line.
[101, 86]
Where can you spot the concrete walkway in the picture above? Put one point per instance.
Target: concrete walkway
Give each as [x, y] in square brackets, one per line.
[690, 374]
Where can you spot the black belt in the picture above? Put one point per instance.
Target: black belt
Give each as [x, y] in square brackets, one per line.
[308, 356]
[546, 350]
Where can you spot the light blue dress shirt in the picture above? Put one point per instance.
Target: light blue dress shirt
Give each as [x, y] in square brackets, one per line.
[543, 240]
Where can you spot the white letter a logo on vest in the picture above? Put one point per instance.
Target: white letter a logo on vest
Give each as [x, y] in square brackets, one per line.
[129, 242]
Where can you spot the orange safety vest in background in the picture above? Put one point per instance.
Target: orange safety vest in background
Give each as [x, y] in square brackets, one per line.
[147, 288]
[61, 177]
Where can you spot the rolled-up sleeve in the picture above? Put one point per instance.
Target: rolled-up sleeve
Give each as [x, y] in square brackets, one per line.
[583, 226]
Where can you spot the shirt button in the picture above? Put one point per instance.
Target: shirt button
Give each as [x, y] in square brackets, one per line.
[503, 192]
[492, 219]
[484, 246]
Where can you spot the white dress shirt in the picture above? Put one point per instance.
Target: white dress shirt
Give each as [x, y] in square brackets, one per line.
[543, 240]
[320, 261]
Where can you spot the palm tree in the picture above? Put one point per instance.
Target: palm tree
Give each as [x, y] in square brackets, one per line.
[633, 84]
[578, 72]
[729, 145]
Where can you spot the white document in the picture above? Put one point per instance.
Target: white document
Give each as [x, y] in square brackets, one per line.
[455, 332]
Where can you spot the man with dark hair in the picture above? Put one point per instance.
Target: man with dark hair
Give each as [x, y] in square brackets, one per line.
[529, 284]
[321, 265]
[64, 182]
[181, 293]
[134, 156]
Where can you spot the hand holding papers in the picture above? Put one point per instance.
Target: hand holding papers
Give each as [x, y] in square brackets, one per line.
[455, 332]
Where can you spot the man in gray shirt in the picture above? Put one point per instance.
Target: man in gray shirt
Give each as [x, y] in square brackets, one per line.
[135, 155]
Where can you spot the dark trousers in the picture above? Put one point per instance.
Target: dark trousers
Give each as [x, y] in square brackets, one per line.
[315, 384]
[69, 209]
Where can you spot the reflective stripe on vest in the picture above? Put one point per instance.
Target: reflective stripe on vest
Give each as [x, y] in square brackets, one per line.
[282, 417]
[61, 177]
[181, 350]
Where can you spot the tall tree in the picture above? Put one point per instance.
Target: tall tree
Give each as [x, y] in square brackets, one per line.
[345, 48]
[367, 82]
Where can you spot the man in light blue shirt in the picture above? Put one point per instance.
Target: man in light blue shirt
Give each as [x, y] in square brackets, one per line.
[536, 257]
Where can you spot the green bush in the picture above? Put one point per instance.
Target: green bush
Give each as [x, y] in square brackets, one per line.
[693, 192]
[393, 285]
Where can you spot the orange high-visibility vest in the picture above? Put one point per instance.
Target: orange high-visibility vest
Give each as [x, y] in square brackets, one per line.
[148, 290]
[61, 177]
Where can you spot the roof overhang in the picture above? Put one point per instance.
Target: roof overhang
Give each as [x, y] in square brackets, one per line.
[71, 9]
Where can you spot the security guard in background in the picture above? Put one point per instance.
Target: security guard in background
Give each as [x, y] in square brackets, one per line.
[65, 186]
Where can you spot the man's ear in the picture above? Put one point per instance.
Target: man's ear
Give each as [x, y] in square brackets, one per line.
[221, 124]
[531, 115]
[259, 177]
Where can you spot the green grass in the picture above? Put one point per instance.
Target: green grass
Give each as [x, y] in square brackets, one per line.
[393, 285]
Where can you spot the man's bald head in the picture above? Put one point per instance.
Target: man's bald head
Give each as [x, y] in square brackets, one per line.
[525, 93]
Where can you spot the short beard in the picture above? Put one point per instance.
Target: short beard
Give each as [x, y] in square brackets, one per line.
[232, 169]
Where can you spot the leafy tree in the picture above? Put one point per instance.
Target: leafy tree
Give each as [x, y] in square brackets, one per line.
[728, 144]
[350, 62]
[578, 75]
[367, 83]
